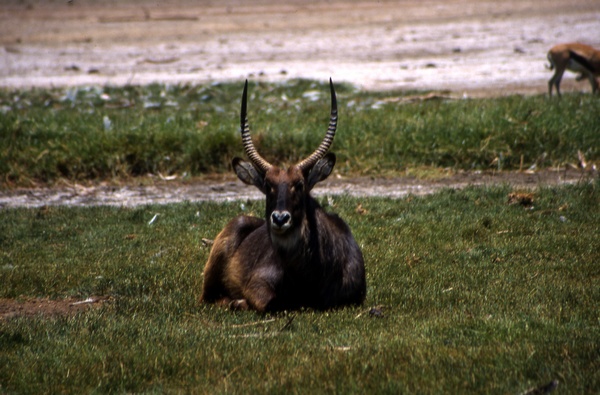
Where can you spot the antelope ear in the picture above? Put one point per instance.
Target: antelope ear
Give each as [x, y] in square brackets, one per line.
[248, 173]
[321, 170]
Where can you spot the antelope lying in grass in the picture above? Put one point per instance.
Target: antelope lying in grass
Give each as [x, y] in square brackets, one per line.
[299, 255]
[579, 58]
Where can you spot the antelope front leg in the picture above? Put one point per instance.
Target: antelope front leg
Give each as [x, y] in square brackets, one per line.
[260, 290]
[260, 296]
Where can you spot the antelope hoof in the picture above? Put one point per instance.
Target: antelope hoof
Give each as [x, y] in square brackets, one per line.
[239, 304]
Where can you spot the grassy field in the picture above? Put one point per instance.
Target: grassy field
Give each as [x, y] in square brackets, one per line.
[467, 293]
[105, 133]
[477, 295]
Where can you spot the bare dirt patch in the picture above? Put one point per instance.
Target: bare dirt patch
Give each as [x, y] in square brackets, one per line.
[231, 189]
[44, 307]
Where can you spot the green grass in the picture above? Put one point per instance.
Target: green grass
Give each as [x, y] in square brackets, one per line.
[478, 296]
[105, 133]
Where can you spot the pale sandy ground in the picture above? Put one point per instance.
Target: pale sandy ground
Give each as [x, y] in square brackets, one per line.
[472, 47]
[468, 47]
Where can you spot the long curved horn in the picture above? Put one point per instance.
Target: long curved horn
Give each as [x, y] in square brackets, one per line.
[251, 152]
[328, 139]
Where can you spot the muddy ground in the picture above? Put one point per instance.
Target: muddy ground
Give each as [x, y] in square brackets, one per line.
[470, 48]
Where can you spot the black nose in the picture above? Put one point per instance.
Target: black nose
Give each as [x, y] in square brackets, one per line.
[280, 218]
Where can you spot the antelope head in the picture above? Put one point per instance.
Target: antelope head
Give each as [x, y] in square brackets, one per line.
[287, 190]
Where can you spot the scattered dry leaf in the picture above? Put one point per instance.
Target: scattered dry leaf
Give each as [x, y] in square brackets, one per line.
[360, 209]
[522, 198]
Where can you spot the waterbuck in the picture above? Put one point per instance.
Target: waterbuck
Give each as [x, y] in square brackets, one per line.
[299, 255]
[579, 58]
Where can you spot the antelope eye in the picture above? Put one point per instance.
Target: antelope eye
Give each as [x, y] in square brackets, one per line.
[298, 186]
[270, 188]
